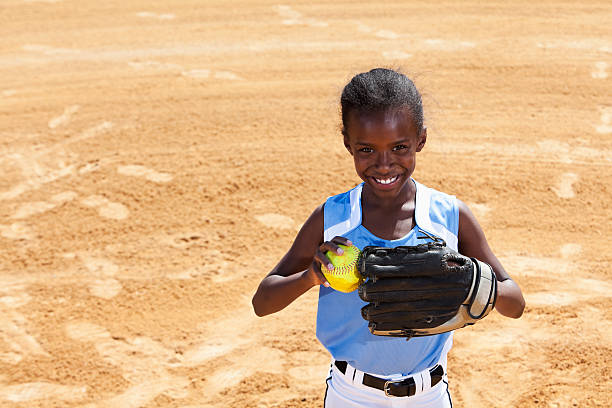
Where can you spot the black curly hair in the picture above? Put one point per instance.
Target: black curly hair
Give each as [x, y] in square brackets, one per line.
[380, 90]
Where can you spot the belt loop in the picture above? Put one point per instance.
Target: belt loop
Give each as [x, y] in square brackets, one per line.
[426, 380]
[350, 373]
[418, 382]
[358, 377]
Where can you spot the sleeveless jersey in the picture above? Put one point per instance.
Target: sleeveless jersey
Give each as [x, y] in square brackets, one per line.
[341, 328]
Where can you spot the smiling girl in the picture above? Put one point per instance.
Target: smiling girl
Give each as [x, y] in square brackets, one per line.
[382, 117]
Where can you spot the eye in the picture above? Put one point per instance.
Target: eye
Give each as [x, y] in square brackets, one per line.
[400, 147]
[366, 150]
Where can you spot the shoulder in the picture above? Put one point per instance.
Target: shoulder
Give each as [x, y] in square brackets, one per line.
[471, 234]
[340, 207]
[465, 214]
[313, 227]
[305, 244]
[335, 206]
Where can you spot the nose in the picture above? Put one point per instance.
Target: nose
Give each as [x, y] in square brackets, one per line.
[384, 160]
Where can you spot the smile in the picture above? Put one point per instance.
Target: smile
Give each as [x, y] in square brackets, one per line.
[386, 180]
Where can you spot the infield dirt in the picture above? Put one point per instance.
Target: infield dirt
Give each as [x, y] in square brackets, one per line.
[158, 158]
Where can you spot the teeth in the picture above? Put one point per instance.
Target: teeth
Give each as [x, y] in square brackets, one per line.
[386, 181]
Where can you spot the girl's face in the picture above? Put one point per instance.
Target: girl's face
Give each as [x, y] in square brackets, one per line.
[384, 147]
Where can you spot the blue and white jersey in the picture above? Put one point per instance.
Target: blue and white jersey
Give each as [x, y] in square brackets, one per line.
[340, 327]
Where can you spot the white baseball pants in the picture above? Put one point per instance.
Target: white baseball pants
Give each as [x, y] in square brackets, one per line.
[347, 391]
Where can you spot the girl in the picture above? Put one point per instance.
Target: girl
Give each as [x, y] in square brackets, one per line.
[382, 118]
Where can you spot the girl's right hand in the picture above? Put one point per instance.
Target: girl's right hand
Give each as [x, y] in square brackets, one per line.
[314, 271]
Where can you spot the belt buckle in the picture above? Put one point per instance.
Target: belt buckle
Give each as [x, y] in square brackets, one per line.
[386, 387]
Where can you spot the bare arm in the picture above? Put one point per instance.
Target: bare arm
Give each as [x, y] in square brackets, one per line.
[299, 270]
[472, 243]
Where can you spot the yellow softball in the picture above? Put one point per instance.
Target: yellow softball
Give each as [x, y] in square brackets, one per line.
[344, 277]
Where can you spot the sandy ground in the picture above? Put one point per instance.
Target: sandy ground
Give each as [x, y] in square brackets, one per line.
[157, 159]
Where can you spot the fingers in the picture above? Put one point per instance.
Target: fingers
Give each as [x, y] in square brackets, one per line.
[318, 275]
[321, 259]
[333, 245]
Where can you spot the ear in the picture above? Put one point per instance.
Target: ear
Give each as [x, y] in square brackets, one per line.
[422, 139]
[347, 143]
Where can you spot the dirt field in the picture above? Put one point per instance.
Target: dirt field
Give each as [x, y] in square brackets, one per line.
[157, 159]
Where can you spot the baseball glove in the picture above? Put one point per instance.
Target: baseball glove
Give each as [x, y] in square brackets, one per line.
[423, 290]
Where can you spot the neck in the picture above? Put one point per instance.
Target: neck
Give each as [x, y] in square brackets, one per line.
[406, 195]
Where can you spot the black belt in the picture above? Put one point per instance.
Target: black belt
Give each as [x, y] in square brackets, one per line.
[396, 388]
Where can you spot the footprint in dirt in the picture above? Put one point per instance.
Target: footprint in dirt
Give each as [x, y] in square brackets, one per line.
[103, 283]
[156, 16]
[106, 208]
[17, 231]
[241, 359]
[41, 391]
[293, 17]
[605, 126]
[278, 221]
[44, 164]
[565, 185]
[21, 231]
[136, 170]
[556, 270]
[449, 45]
[64, 118]
[218, 267]
[144, 363]
[26, 210]
[600, 70]
[396, 55]
[207, 73]
[185, 240]
[14, 325]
